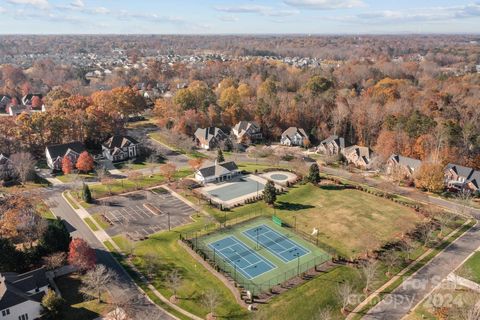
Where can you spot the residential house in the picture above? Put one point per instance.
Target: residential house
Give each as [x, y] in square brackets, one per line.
[359, 156]
[247, 131]
[21, 294]
[4, 102]
[473, 183]
[27, 100]
[294, 136]
[56, 153]
[333, 145]
[15, 110]
[217, 172]
[121, 148]
[456, 176]
[7, 171]
[210, 138]
[404, 165]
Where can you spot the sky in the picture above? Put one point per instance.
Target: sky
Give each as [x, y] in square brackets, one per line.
[238, 16]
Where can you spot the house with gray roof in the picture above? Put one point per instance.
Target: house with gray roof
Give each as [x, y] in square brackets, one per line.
[56, 153]
[247, 131]
[358, 156]
[121, 148]
[21, 294]
[7, 171]
[210, 138]
[457, 176]
[333, 145]
[403, 165]
[473, 183]
[217, 172]
[294, 136]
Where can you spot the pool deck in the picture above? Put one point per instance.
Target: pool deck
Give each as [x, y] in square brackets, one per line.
[209, 190]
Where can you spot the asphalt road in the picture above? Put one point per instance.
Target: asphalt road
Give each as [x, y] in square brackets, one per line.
[126, 287]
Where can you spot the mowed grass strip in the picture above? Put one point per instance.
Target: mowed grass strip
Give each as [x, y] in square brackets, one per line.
[126, 185]
[170, 255]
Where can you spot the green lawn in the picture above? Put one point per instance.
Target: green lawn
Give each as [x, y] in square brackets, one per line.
[350, 221]
[307, 300]
[66, 178]
[101, 221]
[70, 200]
[252, 167]
[471, 268]
[189, 153]
[90, 223]
[76, 306]
[125, 185]
[196, 279]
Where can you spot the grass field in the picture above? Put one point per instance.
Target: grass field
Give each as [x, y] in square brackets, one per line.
[157, 136]
[196, 279]
[350, 221]
[471, 268]
[125, 185]
[283, 269]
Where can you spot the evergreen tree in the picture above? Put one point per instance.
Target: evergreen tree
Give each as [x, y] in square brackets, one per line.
[220, 157]
[86, 194]
[9, 256]
[56, 237]
[270, 193]
[314, 174]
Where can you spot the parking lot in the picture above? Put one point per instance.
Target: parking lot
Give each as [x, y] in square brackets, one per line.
[140, 214]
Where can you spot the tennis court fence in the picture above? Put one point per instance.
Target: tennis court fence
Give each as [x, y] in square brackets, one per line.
[222, 265]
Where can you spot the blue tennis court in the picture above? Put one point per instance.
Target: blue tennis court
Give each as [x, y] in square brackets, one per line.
[246, 261]
[278, 244]
[237, 189]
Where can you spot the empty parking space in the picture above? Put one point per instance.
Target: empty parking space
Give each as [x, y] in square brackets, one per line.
[143, 213]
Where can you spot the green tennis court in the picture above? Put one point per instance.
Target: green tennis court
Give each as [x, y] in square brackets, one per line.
[259, 254]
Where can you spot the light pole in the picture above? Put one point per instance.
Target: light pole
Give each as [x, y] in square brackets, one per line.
[298, 263]
[168, 214]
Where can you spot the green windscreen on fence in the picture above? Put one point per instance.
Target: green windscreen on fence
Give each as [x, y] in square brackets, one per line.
[277, 221]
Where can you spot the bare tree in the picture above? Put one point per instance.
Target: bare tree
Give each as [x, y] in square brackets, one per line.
[97, 280]
[369, 272]
[469, 309]
[391, 260]
[135, 177]
[425, 233]
[23, 163]
[344, 293]
[174, 281]
[152, 160]
[324, 314]
[151, 263]
[101, 172]
[55, 260]
[210, 299]
[444, 219]
[407, 247]
[108, 183]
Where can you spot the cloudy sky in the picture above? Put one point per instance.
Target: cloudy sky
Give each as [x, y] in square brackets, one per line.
[239, 16]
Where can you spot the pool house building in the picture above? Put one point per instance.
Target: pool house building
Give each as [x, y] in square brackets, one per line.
[217, 172]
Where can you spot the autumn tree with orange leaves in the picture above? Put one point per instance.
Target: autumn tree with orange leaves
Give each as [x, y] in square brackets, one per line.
[85, 162]
[67, 165]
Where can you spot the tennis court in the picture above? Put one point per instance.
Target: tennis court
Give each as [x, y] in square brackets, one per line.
[240, 188]
[277, 256]
[278, 244]
[245, 260]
